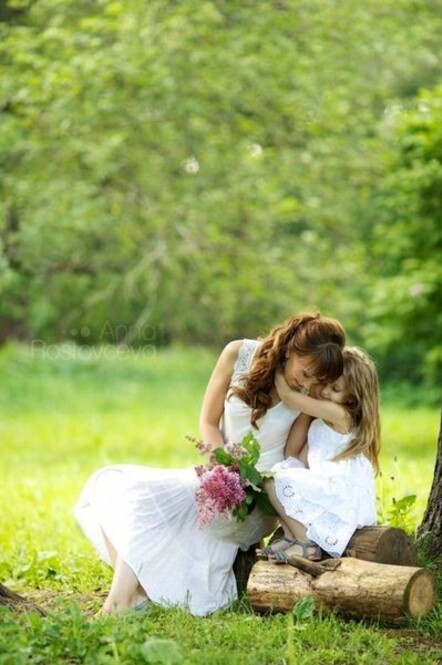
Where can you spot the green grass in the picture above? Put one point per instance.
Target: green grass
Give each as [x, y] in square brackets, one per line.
[68, 412]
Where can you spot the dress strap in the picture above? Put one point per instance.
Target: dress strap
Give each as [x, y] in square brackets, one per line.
[244, 360]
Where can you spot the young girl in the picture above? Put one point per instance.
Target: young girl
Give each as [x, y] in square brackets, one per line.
[144, 521]
[325, 488]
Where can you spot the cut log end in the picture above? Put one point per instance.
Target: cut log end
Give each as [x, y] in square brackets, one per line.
[420, 596]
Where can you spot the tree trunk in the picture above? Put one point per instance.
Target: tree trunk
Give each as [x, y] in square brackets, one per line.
[356, 588]
[16, 602]
[431, 527]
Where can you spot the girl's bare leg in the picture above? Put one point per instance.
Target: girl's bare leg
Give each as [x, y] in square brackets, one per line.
[292, 528]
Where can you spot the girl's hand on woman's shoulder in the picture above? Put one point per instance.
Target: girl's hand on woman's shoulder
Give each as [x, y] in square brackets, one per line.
[282, 387]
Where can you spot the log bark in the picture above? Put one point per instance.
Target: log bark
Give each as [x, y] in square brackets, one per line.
[356, 588]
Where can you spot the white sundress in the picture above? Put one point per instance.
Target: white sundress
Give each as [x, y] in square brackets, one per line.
[331, 499]
[150, 515]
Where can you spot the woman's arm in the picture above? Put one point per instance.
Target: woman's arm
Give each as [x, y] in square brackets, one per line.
[297, 437]
[335, 414]
[213, 402]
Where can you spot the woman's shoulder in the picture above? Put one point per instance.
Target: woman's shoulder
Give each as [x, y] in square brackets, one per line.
[231, 349]
[234, 356]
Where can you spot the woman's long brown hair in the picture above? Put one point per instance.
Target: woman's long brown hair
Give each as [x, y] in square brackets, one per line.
[309, 335]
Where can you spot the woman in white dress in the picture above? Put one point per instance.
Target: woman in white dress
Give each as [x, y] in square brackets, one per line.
[325, 489]
[144, 521]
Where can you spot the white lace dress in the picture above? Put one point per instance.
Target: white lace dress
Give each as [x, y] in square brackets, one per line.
[150, 515]
[331, 499]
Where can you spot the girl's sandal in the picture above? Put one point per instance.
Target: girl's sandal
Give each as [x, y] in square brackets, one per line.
[269, 551]
[309, 549]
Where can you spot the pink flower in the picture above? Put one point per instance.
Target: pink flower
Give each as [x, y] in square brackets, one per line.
[221, 490]
[237, 450]
[203, 448]
[200, 469]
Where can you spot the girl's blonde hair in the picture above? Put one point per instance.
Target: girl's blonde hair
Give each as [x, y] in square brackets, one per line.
[361, 378]
[309, 335]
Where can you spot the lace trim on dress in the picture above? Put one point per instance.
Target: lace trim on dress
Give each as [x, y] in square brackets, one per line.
[243, 362]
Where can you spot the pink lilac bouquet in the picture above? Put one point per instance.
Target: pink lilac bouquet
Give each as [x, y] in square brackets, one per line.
[230, 484]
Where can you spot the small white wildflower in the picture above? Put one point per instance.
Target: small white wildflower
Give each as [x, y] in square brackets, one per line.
[256, 149]
[191, 165]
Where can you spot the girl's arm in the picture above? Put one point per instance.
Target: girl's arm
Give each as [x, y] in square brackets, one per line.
[297, 437]
[303, 455]
[333, 413]
[213, 402]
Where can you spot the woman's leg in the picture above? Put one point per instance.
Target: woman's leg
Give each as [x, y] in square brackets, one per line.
[123, 588]
[110, 548]
[125, 591]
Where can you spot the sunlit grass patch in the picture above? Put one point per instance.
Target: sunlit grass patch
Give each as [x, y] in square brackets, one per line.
[62, 418]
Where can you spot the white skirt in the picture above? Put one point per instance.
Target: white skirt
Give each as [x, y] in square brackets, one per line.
[331, 499]
[150, 517]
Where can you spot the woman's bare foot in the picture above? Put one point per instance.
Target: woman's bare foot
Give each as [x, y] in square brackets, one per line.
[139, 598]
[111, 606]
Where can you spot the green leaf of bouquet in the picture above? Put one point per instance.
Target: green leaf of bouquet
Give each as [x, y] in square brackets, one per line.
[241, 512]
[250, 497]
[263, 503]
[249, 472]
[222, 457]
[251, 445]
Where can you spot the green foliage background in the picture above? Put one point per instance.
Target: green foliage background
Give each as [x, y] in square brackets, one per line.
[197, 171]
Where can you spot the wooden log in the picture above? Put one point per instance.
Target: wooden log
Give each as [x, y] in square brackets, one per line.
[356, 588]
[382, 544]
